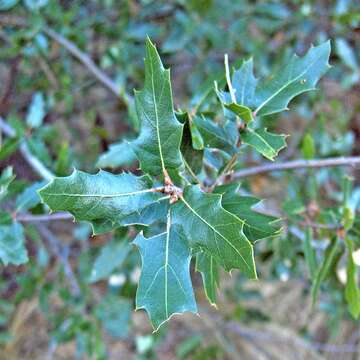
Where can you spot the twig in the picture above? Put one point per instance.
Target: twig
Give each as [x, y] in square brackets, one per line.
[248, 332]
[297, 164]
[62, 252]
[34, 162]
[84, 58]
[43, 218]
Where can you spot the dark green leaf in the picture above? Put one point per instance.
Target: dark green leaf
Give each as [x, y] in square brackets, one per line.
[209, 269]
[165, 285]
[158, 145]
[264, 142]
[100, 197]
[209, 227]
[256, 225]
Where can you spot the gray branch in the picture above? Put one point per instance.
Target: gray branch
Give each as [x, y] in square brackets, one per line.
[34, 162]
[296, 164]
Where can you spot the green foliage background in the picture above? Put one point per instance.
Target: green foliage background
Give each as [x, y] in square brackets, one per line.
[77, 291]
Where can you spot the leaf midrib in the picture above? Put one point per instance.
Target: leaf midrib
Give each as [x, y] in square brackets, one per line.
[217, 232]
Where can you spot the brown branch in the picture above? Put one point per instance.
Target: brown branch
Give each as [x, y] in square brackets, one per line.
[296, 164]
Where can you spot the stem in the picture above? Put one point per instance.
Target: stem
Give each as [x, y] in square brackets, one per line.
[228, 80]
[297, 164]
[221, 178]
[33, 161]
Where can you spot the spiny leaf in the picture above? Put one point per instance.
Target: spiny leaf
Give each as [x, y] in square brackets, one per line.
[209, 227]
[165, 285]
[100, 197]
[12, 248]
[209, 269]
[256, 225]
[300, 74]
[158, 145]
[266, 143]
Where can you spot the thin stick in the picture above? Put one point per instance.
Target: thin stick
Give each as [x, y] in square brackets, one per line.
[297, 164]
[85, 60]
[43, 218]
[34, 162]
[61, 251]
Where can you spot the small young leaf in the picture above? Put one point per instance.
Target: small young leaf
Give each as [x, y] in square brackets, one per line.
[99, 197]
[7, 176]
[209, 227]
[266, 143]
[12, 248]
[165, 285]
[36, 112]
[322, 272]
[158, 145]
[310, 256]
[352, 291]
[244, 84]
[209, 269]
[308, 147]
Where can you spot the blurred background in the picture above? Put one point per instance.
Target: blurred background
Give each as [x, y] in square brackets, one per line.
[67, 74]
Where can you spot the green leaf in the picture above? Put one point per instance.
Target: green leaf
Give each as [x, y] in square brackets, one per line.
[12, 248]
[29, 198]
[115, 313]
[213, 135]
[308, 147]
[193, 158]
[209, 227]
[244, 84]
[158, 145]
[266, 143]
[112, 256]
[310, 256]
[36, 112]
[298, 75]
[256, 225]
[323, 271]
[165, 285]
[209, 269]
[6, 178]
[100, 197]
[243, 112]
[352, 291]
[7, 4]
[118, 155]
